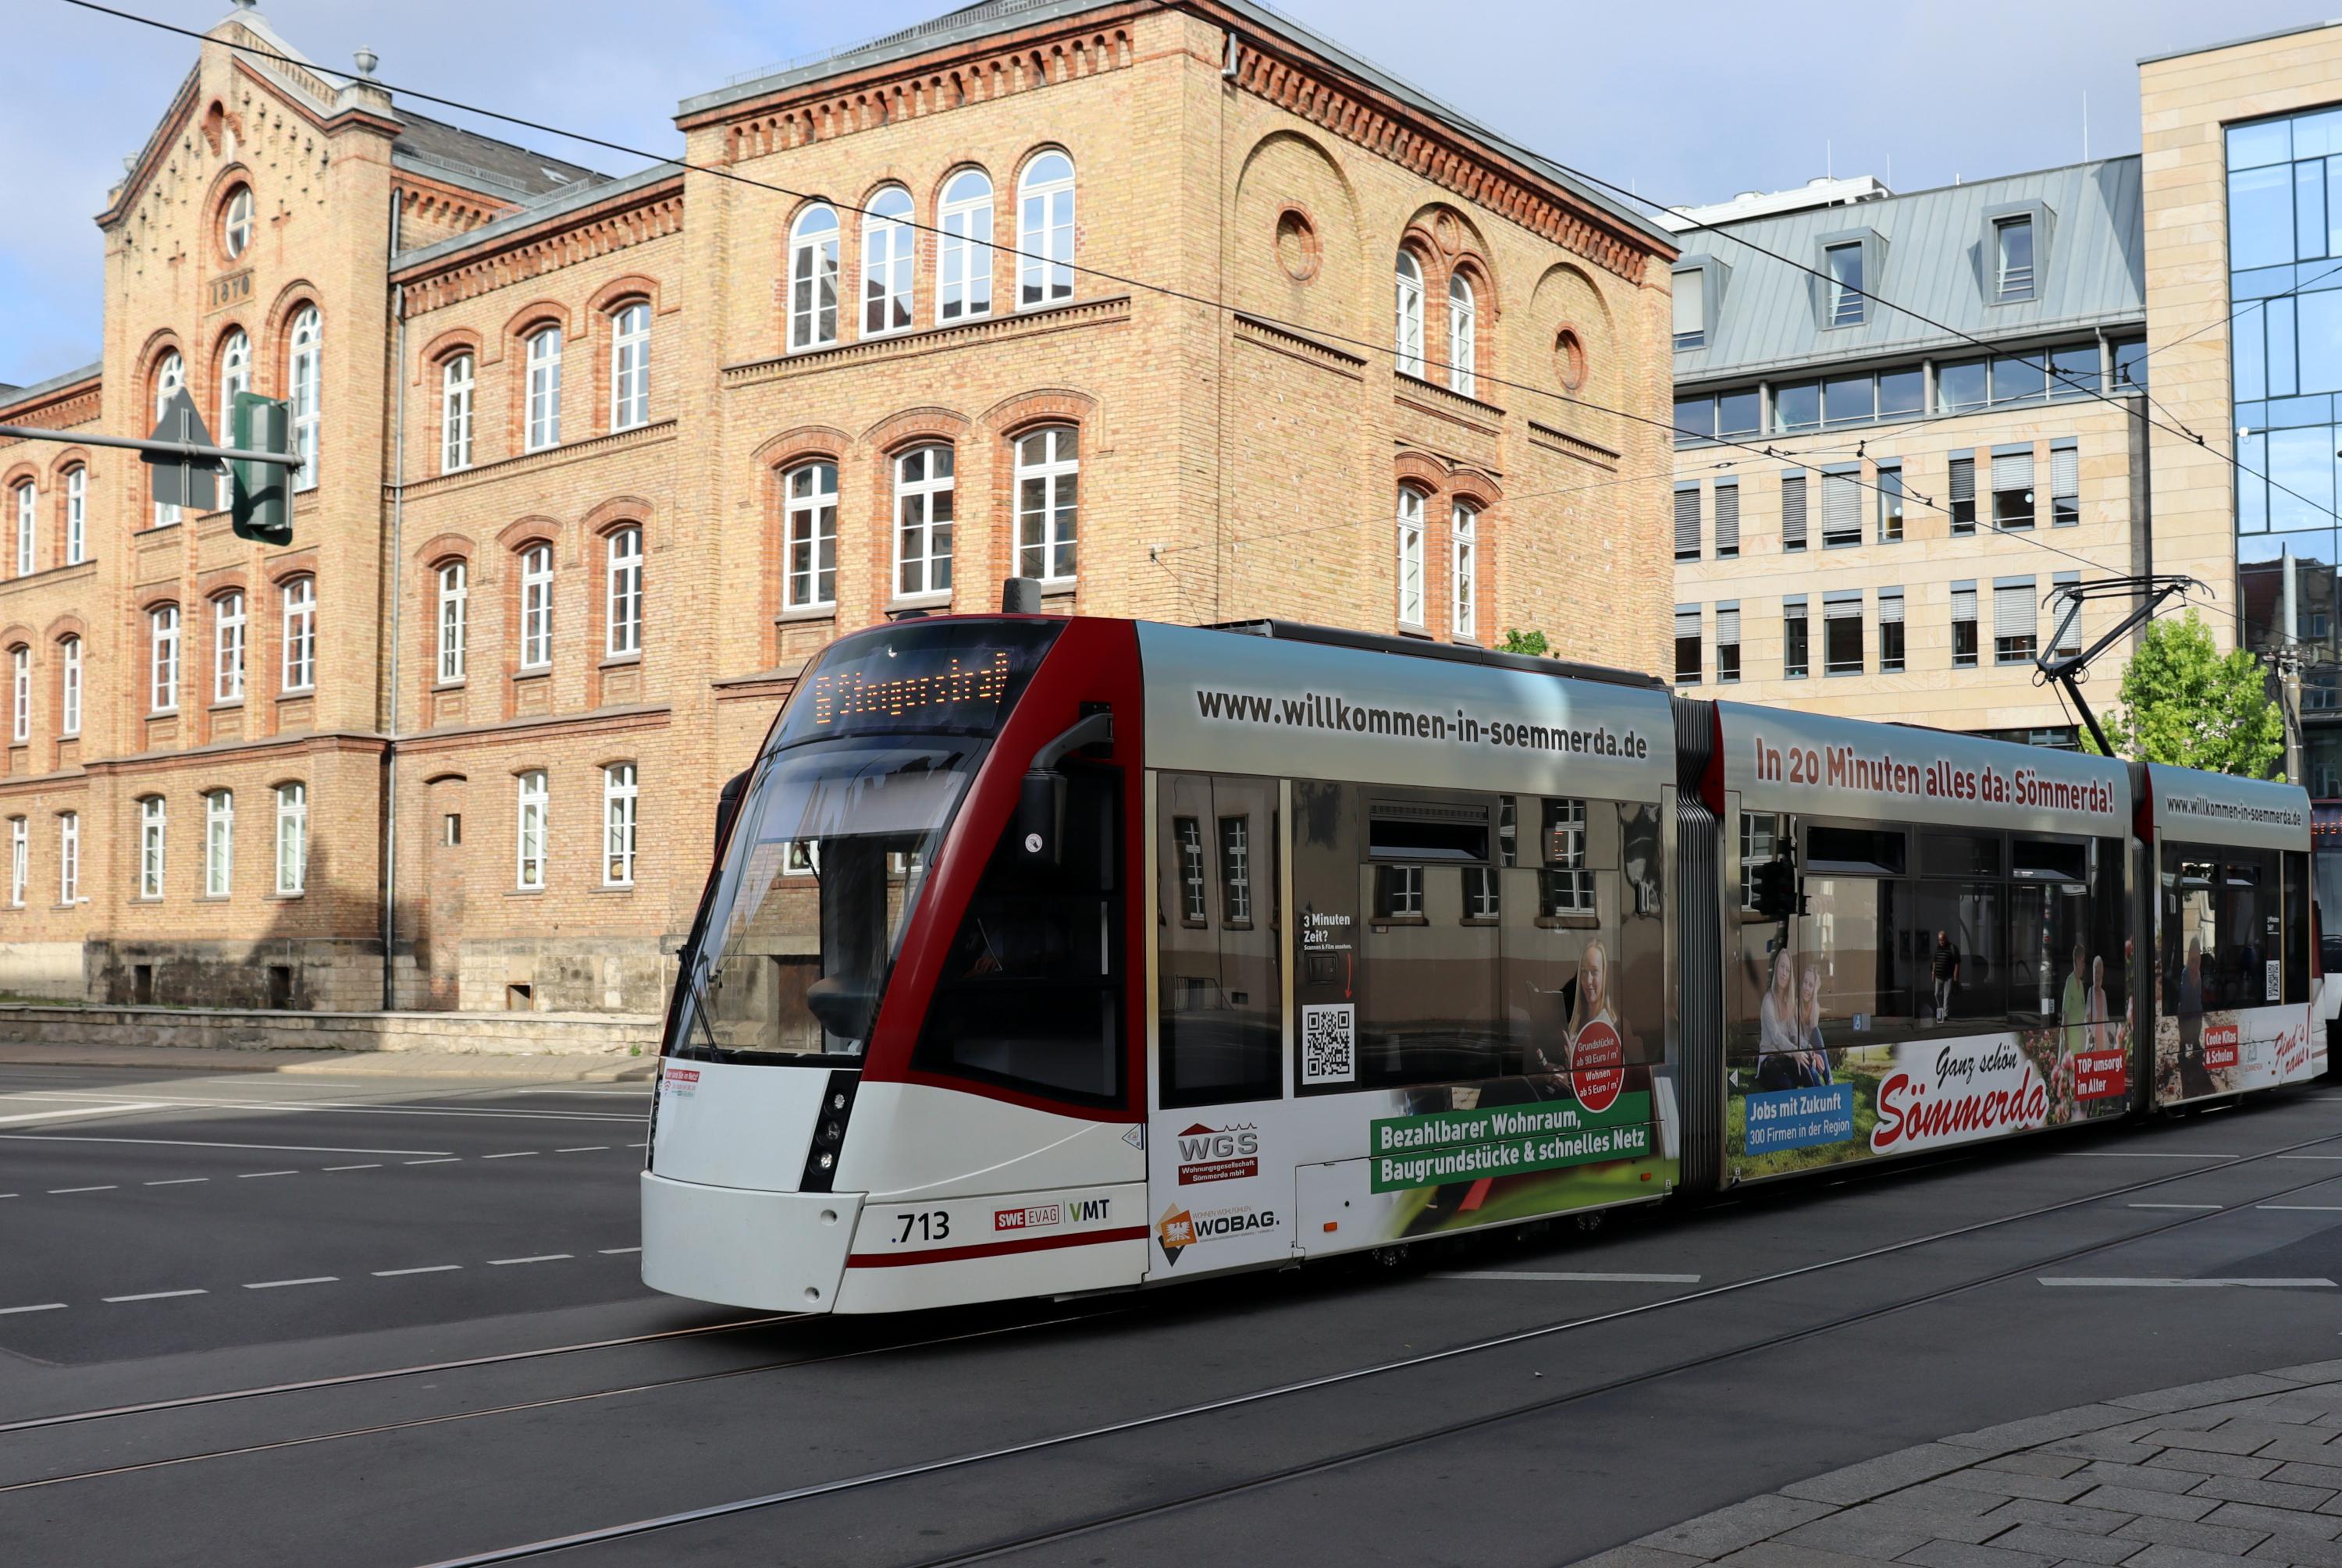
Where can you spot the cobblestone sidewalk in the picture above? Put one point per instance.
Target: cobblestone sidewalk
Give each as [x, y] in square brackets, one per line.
[2241, 1472]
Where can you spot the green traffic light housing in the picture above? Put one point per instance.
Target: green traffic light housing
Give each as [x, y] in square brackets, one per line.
[261, 494]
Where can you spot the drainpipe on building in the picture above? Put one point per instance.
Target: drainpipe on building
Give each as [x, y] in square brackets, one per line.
[397, 591]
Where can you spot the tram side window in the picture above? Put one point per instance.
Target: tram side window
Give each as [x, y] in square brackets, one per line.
[1029, 996]
[1220, 1009]
[2225, 942]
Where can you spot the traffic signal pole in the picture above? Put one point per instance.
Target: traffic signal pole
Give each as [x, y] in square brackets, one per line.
[178, 450]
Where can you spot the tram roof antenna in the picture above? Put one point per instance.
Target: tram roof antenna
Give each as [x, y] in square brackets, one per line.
[2150, 591]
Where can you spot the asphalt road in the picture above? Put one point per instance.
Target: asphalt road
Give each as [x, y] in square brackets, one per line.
[1511, 1401]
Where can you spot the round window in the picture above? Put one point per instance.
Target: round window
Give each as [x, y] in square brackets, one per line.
[235, 227]
[1296, 244]
[1569, 359]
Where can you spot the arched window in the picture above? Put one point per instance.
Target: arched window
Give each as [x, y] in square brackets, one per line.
[292, 838]
[305, 381]
[544, 389]
[618, 825]
[963, 264]
[1410, 557]
[455, 605]
[1044, 232]
[536, 607]
[810, 505]
[154, 822]
[535, 799]
[1462, 335]
[1464, 541]
[68, 857]
[623, 580]
[1409, 304]
[227, 648]
[235, 377]
[813, 279]
[69, 683]
[923, 521]
[77, 516]
[219, 844]
[20, 695]
[886, 256]
[1048, 475]
[301, 634]
[236, 223]
[170, 376]
[630, 365]
[163, 667]
[28, 512]
[456, 383]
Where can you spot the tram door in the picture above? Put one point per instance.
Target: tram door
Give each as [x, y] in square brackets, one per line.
[1222, 1186]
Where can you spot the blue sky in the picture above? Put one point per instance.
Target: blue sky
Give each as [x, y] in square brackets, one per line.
[1733, 97]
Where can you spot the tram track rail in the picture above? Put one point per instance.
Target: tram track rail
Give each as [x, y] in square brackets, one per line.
[740, 1507]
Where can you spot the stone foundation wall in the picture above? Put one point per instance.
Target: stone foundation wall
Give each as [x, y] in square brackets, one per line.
[49, 970]
[284, 974]
[580, 975]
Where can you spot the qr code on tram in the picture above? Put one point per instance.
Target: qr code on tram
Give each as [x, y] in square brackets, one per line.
[1328, 1043]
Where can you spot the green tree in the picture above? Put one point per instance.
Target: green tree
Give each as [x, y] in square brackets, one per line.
[1519, 641]
[2185, 705]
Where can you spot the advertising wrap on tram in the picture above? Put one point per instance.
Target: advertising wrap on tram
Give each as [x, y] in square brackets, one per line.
[1954, 966]
[1463, 906]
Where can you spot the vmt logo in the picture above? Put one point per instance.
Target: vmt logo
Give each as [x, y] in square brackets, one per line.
[1087, 1211]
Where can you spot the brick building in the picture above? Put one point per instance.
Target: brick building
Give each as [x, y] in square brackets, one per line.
[599, 463]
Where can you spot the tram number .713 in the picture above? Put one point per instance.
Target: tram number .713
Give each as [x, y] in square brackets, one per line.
[934, 1225]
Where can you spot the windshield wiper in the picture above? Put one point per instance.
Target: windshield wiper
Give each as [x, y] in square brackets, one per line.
[698, 1005]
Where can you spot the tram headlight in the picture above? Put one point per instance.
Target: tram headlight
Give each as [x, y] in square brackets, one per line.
[832, 1132]
[827, 1160]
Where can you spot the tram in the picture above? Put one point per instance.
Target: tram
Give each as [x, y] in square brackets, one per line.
[1047, 955]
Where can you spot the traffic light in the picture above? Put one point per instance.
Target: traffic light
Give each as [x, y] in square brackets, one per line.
[261, 498]
[1774, 888]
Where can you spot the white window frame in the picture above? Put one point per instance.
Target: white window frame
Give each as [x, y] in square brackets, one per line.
[154, 845]
[459, 383]
[1847, 303]
[300, 626]
[69, 719]
[809, 535]
[235, 375]
[228, 624]
[618, 801]
[1045, 532]
[68, 857]
[219, 844]
[1409, 546]
[1463, 569]
[1406, 330]
[170, 376]
[305, 380]
[1044, 231]
[76, 516]
[623, 598]
[630, 365]
[28, 512]
[20, 695]
[921, 569]
[535, 799]
[536, 607]
[292, 839]
[963, 262]
[20, 859]
[162, 639]
[455, 610]
[542, 431]
[813, 279]
[889, 255]
[235, 223]
[1462, 336]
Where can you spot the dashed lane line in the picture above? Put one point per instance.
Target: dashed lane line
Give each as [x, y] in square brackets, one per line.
[2208, 1206]
[376, 1166]
[155, 1296]
[317, 1280]
[43, 1306]
[179, 1182]
[539, 1258]
[312, 1280]
[2303, 1208]
[251, 1176]
[199, 1144]
[513, 1154]
[61, 1191]
[585, 1149]
[425, 1269]
[101, 1107]
[109, 1110]
[614, 1252]
[2265, 1284]
[442, 1159]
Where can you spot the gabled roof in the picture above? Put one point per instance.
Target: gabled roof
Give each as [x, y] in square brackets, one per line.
[2090, 268]
[434, 147]
[988, 18]
[14, 396]
[535, 210]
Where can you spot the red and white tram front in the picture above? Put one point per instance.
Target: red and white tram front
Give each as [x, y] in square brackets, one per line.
[898, 1036]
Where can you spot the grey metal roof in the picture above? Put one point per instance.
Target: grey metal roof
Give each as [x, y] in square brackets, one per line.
[987, 17]
[433, 146]
[2090, 272]
[11, 395]
[552, 204]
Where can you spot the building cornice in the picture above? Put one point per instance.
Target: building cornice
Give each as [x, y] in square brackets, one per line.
[626, 219]
[57, 407]
[1080, 313]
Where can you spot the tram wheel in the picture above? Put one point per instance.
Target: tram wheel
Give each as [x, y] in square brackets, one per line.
[1591, 1222]
[1393, 1256]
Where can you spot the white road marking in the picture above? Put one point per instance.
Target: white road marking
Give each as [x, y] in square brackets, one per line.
[100, 1105]
[442, 1159]
[198, 1144]
[2173, 1205]
[179, 1182]
[57, 1191]
[2124, 1155]
[1567, 1278]
[2310, 1156]
[156, 1295]
[2186, 1285]
[87, 1111]
[639, 1145]
[613, 1252]
[425, 1269]
[312, 1280]
[373, 1167]
[540, 1258]
[248, 1175]
[2303, 1208]
[44, 1306]
[585, 1149]
[515, 1154]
